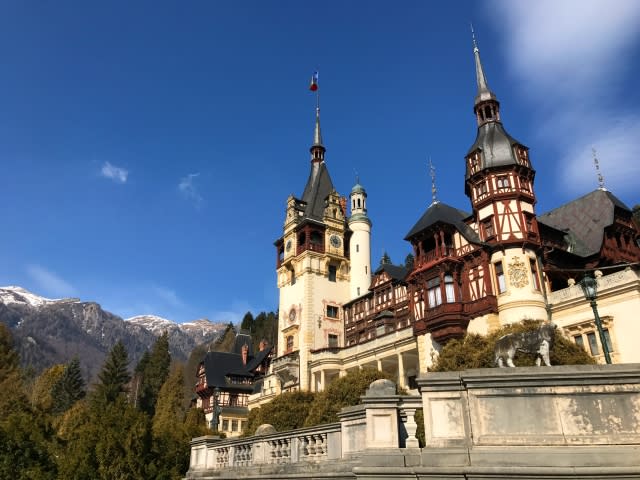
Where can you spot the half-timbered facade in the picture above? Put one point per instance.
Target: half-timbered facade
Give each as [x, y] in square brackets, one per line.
[473, 271]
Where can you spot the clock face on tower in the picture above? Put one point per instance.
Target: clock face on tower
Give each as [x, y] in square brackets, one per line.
[292, 315]
[335, 241]
[288, 245]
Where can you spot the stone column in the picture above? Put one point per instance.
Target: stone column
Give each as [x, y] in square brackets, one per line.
[402, 379]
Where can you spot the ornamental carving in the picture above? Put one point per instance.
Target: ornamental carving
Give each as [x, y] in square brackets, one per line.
[518, 275]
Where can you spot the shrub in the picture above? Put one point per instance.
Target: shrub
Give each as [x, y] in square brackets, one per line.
[476, 351]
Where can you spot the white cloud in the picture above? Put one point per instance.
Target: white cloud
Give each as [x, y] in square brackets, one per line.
[189, 189]
[117, 174]
[170, 297]
[49, 282]
[569, 57]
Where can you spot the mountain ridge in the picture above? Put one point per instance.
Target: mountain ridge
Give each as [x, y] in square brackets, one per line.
[49, 331]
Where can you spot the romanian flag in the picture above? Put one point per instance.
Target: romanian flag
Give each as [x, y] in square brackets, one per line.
[314, 82]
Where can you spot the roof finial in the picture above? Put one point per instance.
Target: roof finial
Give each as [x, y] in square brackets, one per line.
[434, 190]
[473, 36]
[314, 87]
[357, 176]
[597, 165]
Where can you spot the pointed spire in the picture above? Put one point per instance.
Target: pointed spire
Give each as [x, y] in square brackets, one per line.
[317, 148]
[596, 163]
[317, 134]
[484, 94]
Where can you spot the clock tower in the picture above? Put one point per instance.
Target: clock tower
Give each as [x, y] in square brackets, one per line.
[312, 272]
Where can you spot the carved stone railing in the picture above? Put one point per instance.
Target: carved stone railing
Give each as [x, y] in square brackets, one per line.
[522, 423]
[605, 283]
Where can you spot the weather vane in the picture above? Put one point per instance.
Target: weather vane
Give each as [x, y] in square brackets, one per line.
[596, 163]
[434, 190]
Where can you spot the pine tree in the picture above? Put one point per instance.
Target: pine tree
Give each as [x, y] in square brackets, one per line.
[12, 396]
[69, 388]
[227, 340]
[170, 435]
[409, 261]
[155, 373]
[114, 376]
[41, 392]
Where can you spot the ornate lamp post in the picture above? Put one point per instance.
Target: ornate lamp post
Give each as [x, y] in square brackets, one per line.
[590, 288]
[216, 410]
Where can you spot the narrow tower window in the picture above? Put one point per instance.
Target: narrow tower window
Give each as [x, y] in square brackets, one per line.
[534, 274]
[332, 273]
[502, 285]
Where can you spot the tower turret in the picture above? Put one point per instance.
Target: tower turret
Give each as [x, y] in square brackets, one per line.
[360, 242]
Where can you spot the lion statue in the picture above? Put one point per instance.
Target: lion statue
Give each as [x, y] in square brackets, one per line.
[538, 343]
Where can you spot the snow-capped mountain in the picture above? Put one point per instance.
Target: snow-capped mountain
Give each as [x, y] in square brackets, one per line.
[50, 331]
[19, 295]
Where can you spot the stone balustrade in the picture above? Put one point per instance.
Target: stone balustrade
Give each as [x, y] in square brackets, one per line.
[530, 423]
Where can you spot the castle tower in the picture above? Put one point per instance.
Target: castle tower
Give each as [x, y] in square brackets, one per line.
[312, 271]
[499, 182]
[360, 242]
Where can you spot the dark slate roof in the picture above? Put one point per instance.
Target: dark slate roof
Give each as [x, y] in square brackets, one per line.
[396, 272]
[496, 146]
[441, 212]
[584, 220]
[218, 365]
[243, 338]
[318, 188]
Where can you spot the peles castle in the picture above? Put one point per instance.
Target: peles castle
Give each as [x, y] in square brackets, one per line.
[472, 271]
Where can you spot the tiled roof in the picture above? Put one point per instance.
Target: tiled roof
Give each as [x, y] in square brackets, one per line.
[318, 188]
[441, 212]
[584, 220]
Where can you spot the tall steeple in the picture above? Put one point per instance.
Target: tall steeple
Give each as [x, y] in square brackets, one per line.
[317, 149]
[486, 105]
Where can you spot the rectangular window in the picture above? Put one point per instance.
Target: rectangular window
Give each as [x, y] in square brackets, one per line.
[225, 425]
[502, 182]
[534, 274]
[449, 289]
[333, 340]
[234, 425]
[293, 277]
[502, 285]
[357, 247]
[358, 290]
[481, 189]
[579, 340]
[434, 293]
[488, 228]
[332, 311]
[289, 343]
[332, 273]
[593, 343]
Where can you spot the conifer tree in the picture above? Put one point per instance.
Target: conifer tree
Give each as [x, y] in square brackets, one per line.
[13, 397]
[170, 435]
[114, 376]
[154, 374]
[41, 392]
[69, 388]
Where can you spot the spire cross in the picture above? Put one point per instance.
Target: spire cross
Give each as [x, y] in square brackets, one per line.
[596, 163]
[473, 36]
[434, 190]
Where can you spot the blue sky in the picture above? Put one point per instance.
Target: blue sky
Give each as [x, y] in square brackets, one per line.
[148, 148]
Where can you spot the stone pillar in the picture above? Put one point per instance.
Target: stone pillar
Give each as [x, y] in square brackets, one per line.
[382, 415]
[402, 378]
[322, 380]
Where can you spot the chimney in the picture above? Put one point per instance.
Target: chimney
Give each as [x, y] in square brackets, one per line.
[245, 352]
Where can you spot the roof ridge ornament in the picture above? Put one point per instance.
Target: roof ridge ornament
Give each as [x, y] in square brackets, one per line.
[596, 163]
[434, 190]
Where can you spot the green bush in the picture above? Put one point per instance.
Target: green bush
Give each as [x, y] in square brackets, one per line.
[476, 351]
[287, 411]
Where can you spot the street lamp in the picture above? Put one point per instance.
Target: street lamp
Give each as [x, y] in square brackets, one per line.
[590, 288]
[216, 410]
